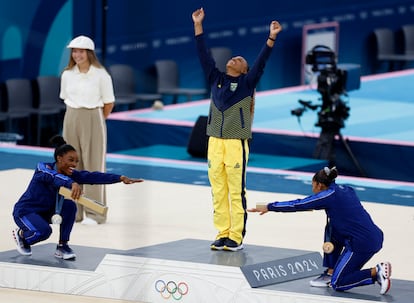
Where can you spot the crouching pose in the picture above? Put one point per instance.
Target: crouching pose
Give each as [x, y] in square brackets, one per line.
[41, 201]
[353, 236]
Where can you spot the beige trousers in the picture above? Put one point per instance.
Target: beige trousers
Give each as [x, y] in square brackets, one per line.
[85, 130]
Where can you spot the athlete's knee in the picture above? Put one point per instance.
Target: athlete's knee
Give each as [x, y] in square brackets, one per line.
[337, 285]
[70, 206]
[39, 234]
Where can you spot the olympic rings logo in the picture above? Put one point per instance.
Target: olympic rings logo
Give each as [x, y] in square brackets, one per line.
[171, 289]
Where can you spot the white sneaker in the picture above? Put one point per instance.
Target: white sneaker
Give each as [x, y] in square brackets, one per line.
[22, 247]
[324, 280]
[89, 221]
[383, 276]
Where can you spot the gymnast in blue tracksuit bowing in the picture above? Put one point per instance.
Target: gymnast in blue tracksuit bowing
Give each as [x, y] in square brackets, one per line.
[41, 203]
[350, 230]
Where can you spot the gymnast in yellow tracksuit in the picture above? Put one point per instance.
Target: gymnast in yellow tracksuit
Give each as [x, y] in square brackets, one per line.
[229, 130]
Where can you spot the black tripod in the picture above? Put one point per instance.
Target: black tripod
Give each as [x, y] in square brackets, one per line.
[325, 147]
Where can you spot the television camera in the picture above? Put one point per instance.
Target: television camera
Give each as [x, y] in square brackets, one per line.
[332, 83]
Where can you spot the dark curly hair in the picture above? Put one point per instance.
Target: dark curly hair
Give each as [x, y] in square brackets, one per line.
[60, 145]
[326, 175]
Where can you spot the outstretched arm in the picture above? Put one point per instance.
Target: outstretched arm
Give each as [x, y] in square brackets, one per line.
[198, 17]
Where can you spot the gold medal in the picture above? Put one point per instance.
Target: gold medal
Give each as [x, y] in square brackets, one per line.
[328, 247]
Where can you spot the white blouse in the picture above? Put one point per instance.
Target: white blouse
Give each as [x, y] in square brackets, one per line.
[86, 90]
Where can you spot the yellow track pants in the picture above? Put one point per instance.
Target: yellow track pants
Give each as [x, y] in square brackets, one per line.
[227, 161]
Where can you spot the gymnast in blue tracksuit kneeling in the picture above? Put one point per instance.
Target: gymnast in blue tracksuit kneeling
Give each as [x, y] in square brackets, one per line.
[41, 201]
[350, 229]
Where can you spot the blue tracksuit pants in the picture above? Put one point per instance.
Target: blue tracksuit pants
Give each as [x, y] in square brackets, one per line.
[36, 226]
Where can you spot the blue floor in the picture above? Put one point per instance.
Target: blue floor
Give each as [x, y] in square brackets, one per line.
[381, 112]
[377, 131]
[255, 160]
[382, 109]
[194, 171]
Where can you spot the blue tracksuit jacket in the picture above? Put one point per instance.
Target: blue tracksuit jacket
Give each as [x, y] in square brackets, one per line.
[40, 196]
[350, 222]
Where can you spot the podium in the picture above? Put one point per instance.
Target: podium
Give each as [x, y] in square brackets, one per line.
[185, 270]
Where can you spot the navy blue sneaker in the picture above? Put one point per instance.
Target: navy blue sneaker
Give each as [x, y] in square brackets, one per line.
[232, 245]
[64, 252]
[218, 244]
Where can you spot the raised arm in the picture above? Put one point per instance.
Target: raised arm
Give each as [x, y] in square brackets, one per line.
[198, 17]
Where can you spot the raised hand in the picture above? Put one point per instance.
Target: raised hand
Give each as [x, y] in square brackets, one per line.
[198, 15]
[275, 28]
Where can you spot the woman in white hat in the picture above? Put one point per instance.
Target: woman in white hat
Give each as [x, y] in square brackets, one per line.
[87, 90]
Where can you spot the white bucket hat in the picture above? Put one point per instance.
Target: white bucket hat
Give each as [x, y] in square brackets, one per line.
[82, 42]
